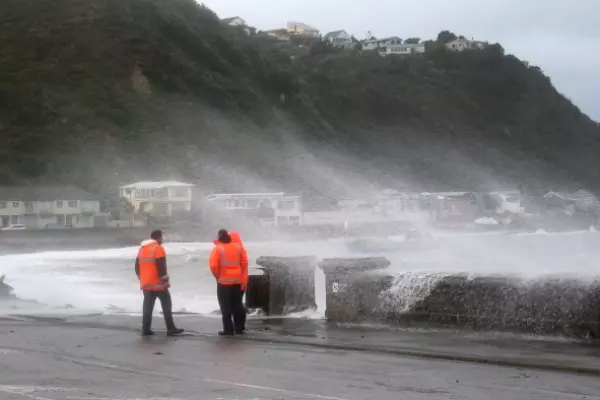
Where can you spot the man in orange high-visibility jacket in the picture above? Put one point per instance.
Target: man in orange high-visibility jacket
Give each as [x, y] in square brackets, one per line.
[151, 269]
[235, 238]
[227, 262]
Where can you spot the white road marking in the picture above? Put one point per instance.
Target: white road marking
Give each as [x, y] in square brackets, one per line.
[30, 391]
[122, 398]
[272, 389]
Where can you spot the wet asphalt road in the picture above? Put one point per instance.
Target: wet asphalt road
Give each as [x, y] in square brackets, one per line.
[54, 361]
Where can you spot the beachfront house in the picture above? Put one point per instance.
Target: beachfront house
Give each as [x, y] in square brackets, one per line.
[50, 207]
[164, 198]
[276, 209]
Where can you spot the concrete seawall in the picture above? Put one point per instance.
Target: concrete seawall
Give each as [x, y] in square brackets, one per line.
[548, 305]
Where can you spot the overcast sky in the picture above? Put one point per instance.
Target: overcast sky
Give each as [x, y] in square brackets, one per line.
[562, 37]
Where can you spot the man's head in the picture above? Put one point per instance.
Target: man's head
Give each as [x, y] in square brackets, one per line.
[223, 236]
[157, 235]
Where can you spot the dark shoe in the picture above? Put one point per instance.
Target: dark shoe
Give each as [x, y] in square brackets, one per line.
[240, 331]
[147, 333]
[174, 332]
[223, 333]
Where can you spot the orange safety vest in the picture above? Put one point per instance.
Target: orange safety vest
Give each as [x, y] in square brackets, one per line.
[226, 263]
[149, 276]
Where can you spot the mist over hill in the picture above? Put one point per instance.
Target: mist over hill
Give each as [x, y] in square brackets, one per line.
[98, 94]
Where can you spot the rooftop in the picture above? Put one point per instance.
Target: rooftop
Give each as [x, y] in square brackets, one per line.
[381, 40]
[156, 185]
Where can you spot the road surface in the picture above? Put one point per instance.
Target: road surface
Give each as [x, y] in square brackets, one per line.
[51, 361]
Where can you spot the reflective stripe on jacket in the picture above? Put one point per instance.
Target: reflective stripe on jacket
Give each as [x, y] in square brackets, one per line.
[227, 263]
[149, 255]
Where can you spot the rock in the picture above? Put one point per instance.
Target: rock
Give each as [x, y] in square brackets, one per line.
[5, 289]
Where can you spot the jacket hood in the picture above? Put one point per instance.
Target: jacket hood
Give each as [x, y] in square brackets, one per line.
[147, 242]
[235, 237]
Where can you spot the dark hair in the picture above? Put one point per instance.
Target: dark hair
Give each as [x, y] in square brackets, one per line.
[156, 235]
[223, 236]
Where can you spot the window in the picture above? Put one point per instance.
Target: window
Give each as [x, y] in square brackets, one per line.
[234, 203]
[294, 221]
[59, 204]
[178, 207]
[14, 219]
[16, 204]
[251, 203]
[159, 193]
[141, 193]
[181, 192]
[73, 203]
[222, 203]
[3, 204]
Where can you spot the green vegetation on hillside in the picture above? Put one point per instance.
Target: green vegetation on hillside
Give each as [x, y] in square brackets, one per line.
[101, 93]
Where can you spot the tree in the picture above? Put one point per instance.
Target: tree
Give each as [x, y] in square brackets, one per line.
[446, 36]
[412, 40]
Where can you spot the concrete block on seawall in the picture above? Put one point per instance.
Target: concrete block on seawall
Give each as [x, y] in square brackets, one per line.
[287, 286]
[352, 286]
[553, 306]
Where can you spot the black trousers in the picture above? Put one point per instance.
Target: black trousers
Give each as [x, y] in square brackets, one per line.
[166, 304]
[230, 302]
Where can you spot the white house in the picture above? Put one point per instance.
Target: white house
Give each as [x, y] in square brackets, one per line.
[403, 49]
[159, 198]
[277, 209]
[39, 207]
[339, 39]
[375, 44]
[234, 21]
[583, 198]
[465, 44]
[301, 29]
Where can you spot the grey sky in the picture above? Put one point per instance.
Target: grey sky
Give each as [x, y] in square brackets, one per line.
[561, 37]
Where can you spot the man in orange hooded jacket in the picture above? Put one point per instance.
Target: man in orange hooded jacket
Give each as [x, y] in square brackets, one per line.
[229, 265]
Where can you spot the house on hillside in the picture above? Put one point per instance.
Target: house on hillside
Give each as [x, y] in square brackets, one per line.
[240, 23]
[403, 49]
[279, 34]
[40, 207]
[234, 21]
[465, 44]
[339, 39]
[301, 29]
[159, 199]
[276, 209]
[375, 44]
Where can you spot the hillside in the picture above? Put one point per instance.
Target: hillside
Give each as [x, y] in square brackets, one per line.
[101, 93]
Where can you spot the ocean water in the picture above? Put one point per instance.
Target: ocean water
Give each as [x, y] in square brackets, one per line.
[104, 280]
